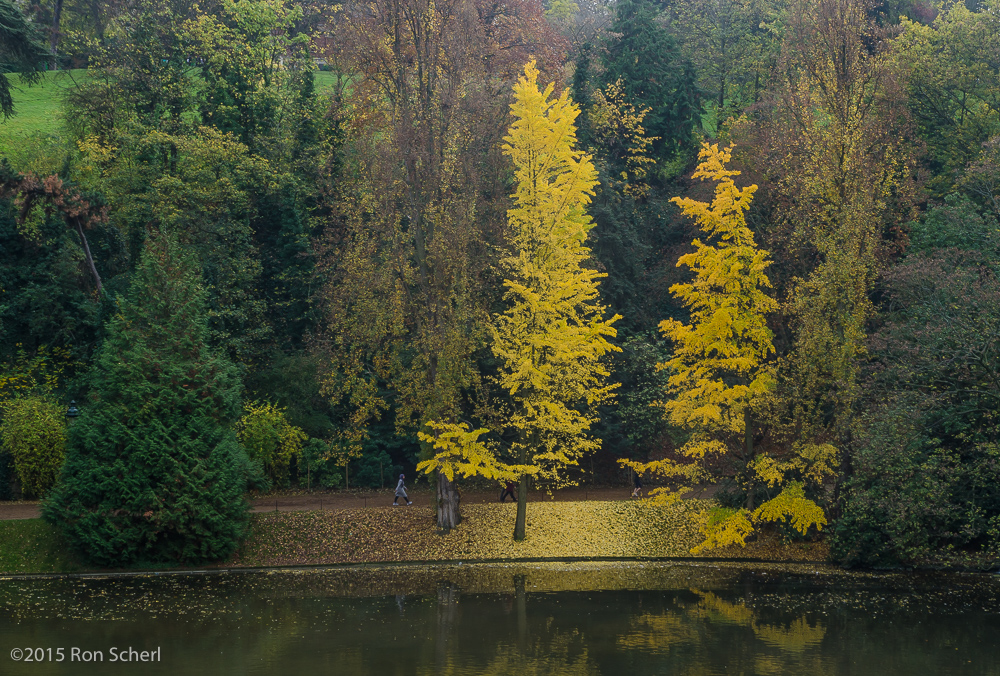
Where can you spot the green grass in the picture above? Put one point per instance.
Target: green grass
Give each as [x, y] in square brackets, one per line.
[38, 119]
[38, 109]
[33, 546]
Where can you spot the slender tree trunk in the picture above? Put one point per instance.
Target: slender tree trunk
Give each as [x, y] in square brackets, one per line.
[522, 497]
[86, 253]
[748, 434]
[448, 513]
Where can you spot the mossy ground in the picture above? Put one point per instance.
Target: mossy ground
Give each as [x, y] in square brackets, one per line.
[33, 546]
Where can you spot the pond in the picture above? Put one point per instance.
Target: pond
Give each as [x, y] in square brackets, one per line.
[547, 618]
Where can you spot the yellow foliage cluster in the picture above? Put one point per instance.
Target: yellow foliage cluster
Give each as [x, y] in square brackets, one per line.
[268, 437]
[723, 527]
[727, 340]
[617, 122]
[458, 451]
[553, 335]
[719, 368]
[33, 430]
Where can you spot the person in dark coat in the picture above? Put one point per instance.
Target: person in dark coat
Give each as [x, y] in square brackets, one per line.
[508, 489]
[401, 491]
[637, 483]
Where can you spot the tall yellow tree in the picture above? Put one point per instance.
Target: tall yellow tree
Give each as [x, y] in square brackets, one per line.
[720, 365]
[553, 335]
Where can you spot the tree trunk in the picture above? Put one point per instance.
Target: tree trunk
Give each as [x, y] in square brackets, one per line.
[54, 36]
[87, 256]
[522, 498]
[521, 598]
[748, 433]
[448, 513]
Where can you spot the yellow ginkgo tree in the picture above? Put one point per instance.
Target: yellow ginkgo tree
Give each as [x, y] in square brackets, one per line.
[552, 337]
[720, 367]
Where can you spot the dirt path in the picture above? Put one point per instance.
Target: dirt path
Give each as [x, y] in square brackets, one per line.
[363, 499]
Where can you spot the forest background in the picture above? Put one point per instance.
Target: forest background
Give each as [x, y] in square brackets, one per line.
[326, 183]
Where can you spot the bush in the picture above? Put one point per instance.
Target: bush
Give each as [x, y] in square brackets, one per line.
[269, 439]
[376, 470]
[6, 476]
[154, 472]
[34, 433]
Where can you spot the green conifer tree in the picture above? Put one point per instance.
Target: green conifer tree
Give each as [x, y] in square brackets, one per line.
[153, 470]
[655, 75]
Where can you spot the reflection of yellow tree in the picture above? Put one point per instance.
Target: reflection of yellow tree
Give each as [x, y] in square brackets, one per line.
[656, 632]
[796, 637]
[563, 653]
[660, 632]
[718, 610]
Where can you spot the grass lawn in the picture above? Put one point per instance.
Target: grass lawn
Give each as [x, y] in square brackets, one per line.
[39, 115]
[38, 108]
[32, 546]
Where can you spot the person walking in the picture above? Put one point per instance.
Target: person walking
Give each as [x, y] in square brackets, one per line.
[401, 491]
[508, 490]
[637, 485]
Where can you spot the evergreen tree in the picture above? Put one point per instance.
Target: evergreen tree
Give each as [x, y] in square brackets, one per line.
[154, 471]
[647, 61]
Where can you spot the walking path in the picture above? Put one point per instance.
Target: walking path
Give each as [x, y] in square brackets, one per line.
[371, 499]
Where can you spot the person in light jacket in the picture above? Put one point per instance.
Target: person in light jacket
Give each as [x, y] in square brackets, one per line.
[401, 491]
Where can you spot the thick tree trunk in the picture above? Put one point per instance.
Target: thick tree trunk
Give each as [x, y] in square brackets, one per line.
[522, 499]
[449, 513]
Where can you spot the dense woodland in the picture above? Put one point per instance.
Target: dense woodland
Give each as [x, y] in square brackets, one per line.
[282, 244]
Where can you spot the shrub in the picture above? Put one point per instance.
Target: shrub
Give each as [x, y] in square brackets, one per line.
[34, 433]
[269, 438]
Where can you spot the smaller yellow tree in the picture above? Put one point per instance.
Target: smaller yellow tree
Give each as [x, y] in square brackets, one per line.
[720, 366]
[32, 421]
[553, 335]
[33, 431]
[269, 438]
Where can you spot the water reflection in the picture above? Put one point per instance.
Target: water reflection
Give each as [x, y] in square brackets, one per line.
[544, 619]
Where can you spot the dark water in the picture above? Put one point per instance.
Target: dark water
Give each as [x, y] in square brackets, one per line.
[696, 619]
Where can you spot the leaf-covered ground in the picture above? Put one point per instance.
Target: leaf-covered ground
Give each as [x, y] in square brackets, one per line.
[554, 530]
